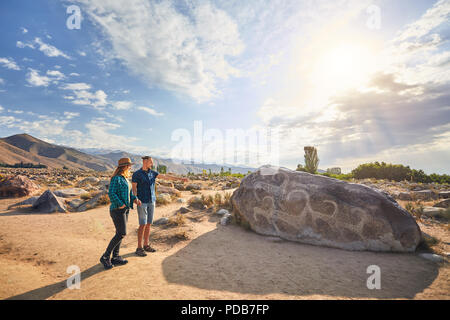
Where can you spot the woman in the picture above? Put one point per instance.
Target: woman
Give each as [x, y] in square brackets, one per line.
[122, 198]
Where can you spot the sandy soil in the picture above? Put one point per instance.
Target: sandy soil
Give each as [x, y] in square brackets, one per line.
[216, 262]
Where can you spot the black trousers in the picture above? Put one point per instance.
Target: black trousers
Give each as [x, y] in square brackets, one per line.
[120, 219]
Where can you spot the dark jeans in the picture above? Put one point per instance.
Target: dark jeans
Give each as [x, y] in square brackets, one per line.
[120, 219]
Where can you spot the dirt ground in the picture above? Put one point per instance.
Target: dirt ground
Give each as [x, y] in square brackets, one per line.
[215, 262]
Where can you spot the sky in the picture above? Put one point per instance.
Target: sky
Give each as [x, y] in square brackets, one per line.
[241, 82]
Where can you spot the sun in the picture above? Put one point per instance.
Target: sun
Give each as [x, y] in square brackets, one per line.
[343, 67]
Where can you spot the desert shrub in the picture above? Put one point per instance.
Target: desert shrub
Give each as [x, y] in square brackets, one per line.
[103, 200]
[409, 207]
[397, 172]
[311, 159]
[218, 199]
[86, 196]
[342, 176]
[177, 220]
[193, 191]
[227, 200]
[162, 201]
[427, 242]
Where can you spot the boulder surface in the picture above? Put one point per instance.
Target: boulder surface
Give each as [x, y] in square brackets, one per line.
[319, 210]
[17, 186]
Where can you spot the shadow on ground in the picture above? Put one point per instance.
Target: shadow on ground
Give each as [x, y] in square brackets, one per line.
[52, 289]
[232, 259]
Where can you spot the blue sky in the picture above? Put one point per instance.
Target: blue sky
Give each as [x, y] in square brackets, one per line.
[360, 80]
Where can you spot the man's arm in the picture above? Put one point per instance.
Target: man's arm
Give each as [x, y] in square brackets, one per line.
[170, 177]
[134, 188]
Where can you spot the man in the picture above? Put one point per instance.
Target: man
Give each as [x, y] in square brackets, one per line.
[143, 186]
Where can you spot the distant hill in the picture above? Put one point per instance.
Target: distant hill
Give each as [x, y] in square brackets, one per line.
[26, 148]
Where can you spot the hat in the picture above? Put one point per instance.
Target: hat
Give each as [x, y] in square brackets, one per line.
[124, 162]
[146, 157]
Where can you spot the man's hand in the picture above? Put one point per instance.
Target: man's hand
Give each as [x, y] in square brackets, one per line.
[137, 202]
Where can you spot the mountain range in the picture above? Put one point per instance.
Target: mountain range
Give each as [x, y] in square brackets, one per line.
[28, 149]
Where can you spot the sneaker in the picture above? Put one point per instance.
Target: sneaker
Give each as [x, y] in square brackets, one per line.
[149, 249]
[106, 262]
[140, 252]
[118, 261]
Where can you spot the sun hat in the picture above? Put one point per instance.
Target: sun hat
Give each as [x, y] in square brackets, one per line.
[124, 162]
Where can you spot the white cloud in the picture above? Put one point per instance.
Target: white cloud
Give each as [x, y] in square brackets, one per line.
[15, 111]
[183, 53]
[151, 111]
[36, 80]
[122, 105]
[49, 50]
[21, 44]
[1, 108]
[2, 81]
[74, 74]
[82, 53]
[24, 30]
[70, 115]
[55, 74]
[9, 63]
[76, 86]
[82, 96]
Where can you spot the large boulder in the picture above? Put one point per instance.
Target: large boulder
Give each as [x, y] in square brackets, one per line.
[168, 190]
[48, 202]
[99, 199]
[318, 210]
[17, 186]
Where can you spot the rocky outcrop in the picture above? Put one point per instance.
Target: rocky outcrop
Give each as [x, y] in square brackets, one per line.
[318, 210]
[17, 186]
[48, 202]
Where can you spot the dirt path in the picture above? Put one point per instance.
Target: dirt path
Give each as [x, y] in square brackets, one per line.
[217, 262]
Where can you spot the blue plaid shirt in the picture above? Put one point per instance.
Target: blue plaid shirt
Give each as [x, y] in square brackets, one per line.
[145, 185]
[120, 193]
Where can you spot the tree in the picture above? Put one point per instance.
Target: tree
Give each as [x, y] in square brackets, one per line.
[311, 159]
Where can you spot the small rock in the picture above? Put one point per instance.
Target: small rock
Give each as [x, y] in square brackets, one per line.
[443, 204]
[69, 193]
[226, 219]
[405, 196]
[431, 211]
[444, 195]
[88, 180]
[181, 200]
[222, 212]
[183, 210]
[91, 203]
[425, 195]
[432, 257]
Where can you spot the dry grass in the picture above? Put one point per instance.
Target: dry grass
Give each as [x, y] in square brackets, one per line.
[177, 220]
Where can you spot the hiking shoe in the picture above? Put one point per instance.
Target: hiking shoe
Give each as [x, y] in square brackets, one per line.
[140, 252]
[106, 262]
[118, 261]
[149, 249]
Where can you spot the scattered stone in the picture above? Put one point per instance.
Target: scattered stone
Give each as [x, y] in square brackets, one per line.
[444, 195]
[193, 186]
[222, 212]
[183, 210]
[181, 200]
[48, 202]
[179, 186]
[168, 190]
[196, 203]
[53, 185]
[161, 221]
[432, 257]
[69, 193]
[17, 186]
[319, 210]
[88, 180]
[405, 196]
[425, 195]
[443, 204]
[431, 211]
[226, 219]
